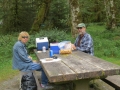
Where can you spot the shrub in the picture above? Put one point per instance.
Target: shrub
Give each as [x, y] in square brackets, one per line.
[54, 35]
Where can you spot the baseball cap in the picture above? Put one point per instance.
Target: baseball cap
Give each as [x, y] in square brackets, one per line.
[80, 25]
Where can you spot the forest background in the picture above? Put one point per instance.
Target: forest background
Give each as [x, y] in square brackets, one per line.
[57, 19]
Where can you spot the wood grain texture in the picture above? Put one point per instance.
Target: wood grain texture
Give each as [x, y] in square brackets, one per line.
[113, 81]
[77, 65]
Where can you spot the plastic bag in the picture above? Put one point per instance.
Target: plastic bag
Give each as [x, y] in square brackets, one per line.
[65, 47]
[28, 82]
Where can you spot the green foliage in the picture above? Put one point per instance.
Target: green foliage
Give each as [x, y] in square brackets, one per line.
[6, 44]
[18, 16]
[106, 43]
[59, 14]
[92, 10]
[54, 35]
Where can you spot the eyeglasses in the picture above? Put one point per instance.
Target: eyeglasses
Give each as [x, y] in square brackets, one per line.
[24, 37]
[79, 28]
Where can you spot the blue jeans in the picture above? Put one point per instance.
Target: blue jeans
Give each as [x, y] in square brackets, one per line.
[37, 66]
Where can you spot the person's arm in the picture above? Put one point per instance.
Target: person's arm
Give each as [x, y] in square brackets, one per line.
[23, 54]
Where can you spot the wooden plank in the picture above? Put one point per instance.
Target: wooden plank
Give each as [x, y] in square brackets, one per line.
[37, 82]
[95, 60]
[81, 67]
[41, 55]
[58, 71]
[114, 81]
[77, 65]
[107, 67]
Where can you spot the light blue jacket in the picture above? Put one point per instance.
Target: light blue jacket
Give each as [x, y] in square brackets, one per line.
[20, 57]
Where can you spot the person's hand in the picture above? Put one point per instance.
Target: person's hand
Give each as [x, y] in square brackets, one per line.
[30, 57]
[73, 47]
[35, 61]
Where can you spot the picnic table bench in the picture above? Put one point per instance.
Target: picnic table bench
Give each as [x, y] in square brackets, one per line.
[113, 81]
[77, 67]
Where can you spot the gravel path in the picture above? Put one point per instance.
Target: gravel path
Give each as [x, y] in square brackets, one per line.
[13, 84]
[10, 84]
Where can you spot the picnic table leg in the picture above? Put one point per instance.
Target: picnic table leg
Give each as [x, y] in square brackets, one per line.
[82, 84]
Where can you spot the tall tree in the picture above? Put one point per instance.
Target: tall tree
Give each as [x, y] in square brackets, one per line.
[5, 12]
[110, 14]
[75, 18]
[59, 15]
[18, 16]
[41, 15]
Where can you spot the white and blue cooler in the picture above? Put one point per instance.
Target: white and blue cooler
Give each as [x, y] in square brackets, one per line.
[42, 41]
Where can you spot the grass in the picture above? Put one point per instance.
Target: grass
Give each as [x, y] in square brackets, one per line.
[112, 60]
[7, 71]
[106, 43]
[106, 46]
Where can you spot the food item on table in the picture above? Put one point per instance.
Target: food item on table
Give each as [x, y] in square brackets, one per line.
[49, 59]
[65, 51]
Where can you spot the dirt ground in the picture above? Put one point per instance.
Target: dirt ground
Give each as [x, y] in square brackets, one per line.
[13, 84]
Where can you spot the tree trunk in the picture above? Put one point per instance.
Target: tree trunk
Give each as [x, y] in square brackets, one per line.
[74, 5]
[40, 17]
[110, 14]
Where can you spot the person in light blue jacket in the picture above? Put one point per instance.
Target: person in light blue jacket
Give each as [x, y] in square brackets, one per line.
[22, 61]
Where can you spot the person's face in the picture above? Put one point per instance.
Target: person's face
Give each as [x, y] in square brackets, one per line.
[24, 39]
[81, 30]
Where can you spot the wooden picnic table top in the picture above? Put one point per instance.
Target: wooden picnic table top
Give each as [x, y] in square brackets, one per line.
[76, 66]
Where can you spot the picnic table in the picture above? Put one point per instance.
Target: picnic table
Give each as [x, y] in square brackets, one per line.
[77, 67]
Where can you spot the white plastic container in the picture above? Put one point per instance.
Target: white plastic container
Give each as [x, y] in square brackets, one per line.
[42, 41]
